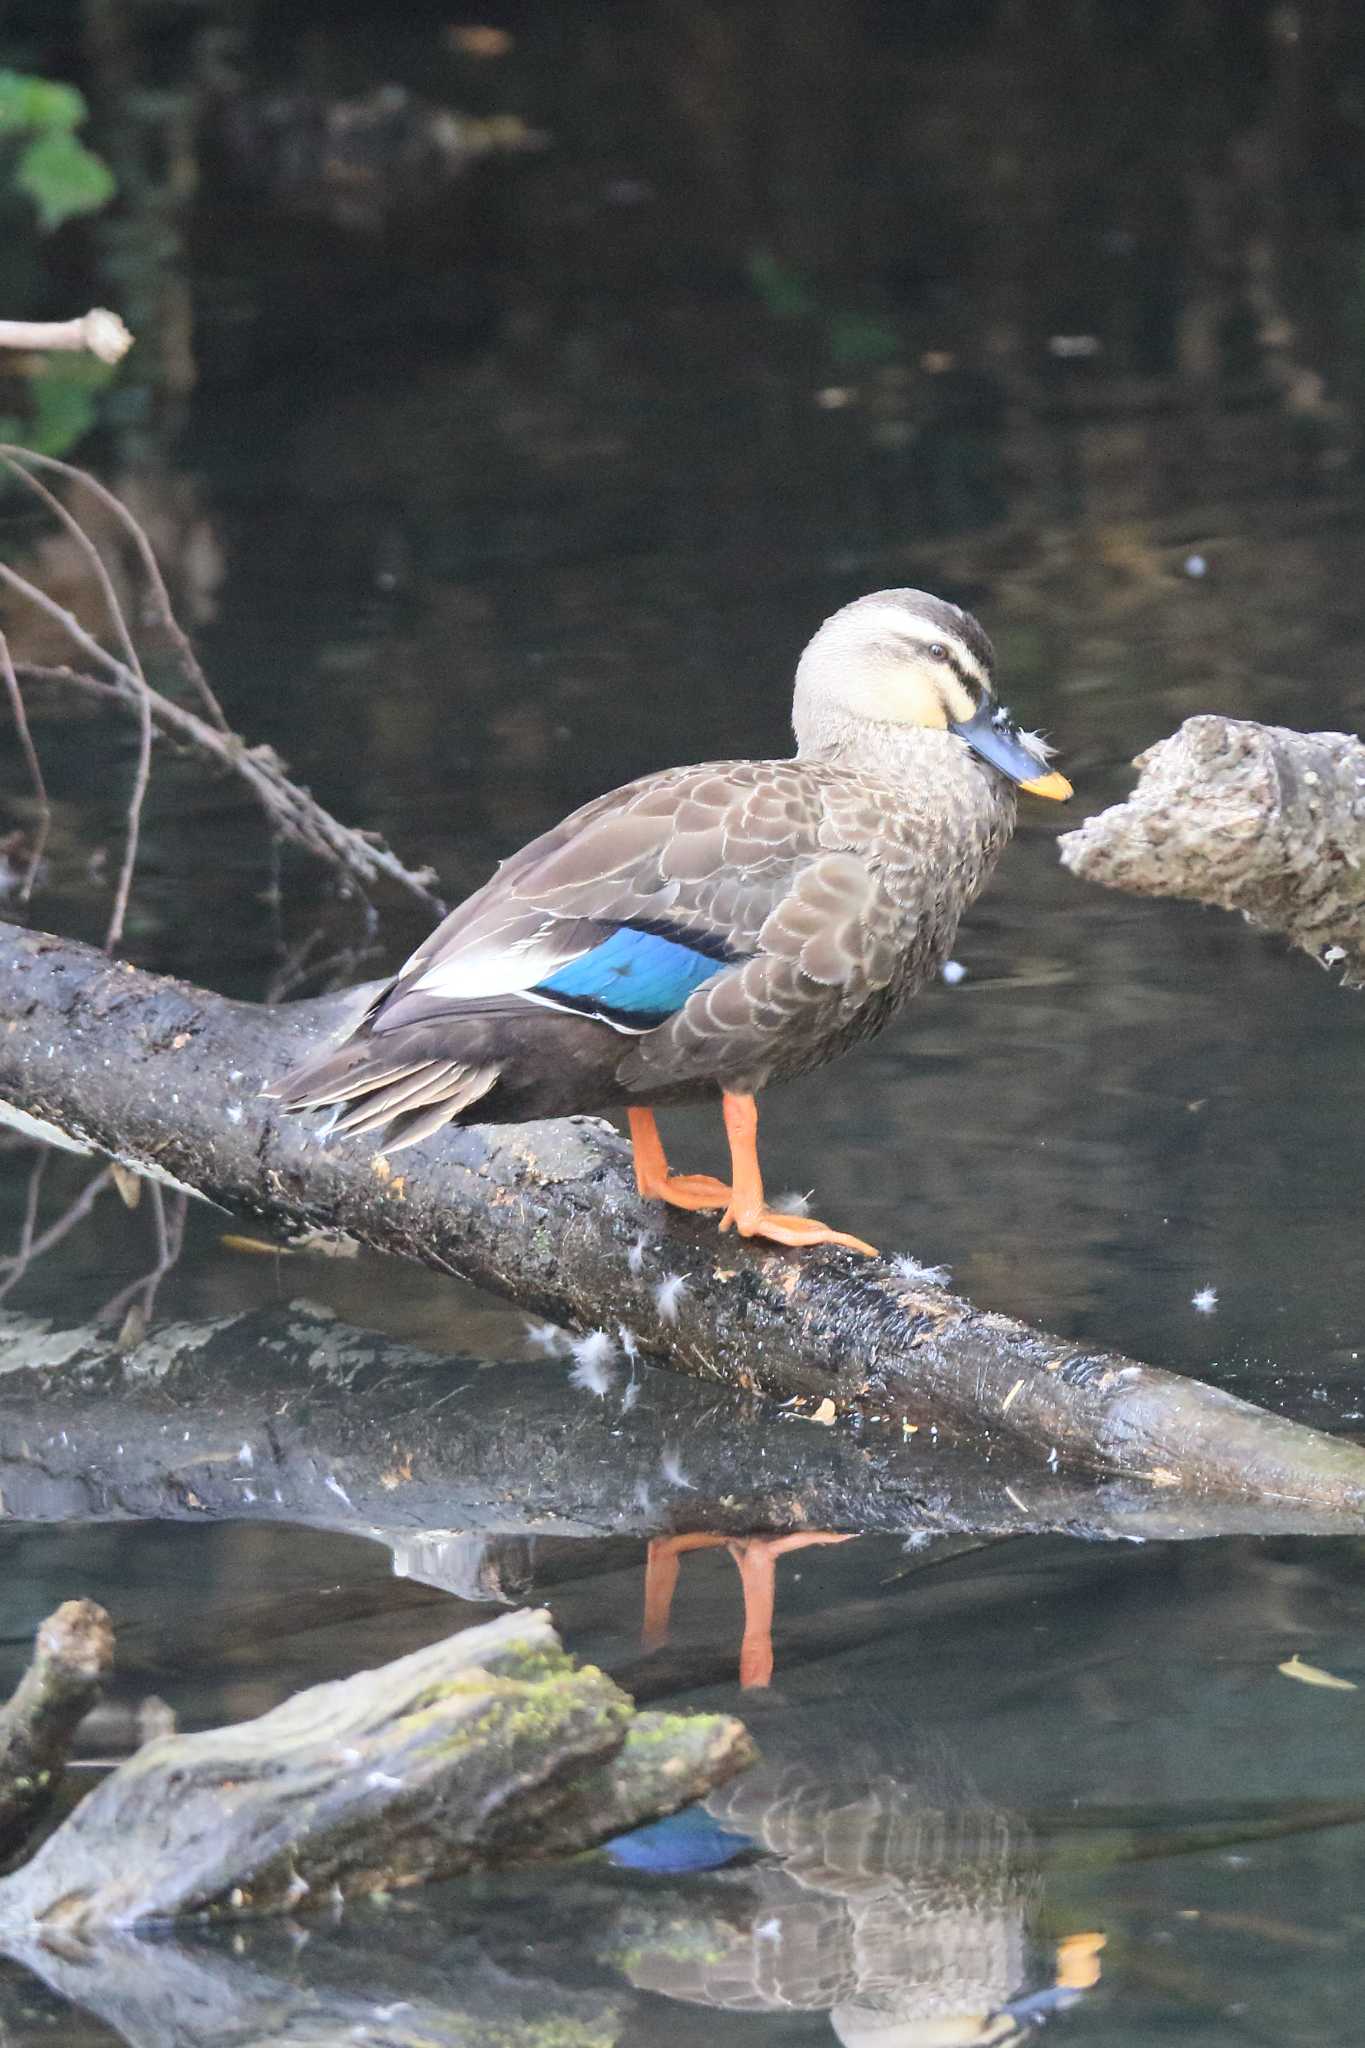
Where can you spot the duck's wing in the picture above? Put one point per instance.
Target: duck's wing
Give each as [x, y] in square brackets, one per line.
[646, 895]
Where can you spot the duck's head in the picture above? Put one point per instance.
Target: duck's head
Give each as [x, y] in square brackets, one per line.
[902, 658]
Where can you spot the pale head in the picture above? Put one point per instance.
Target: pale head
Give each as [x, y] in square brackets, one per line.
[902, 662]
[898, 657]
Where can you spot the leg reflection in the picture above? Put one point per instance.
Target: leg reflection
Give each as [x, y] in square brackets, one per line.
[756, 1560]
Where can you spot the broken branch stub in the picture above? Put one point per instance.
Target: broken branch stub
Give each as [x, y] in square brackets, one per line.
[73, 1654]
[1247, 817]
[487, 1748]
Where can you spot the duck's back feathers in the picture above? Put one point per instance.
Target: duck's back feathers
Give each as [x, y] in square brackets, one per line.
[706, 926]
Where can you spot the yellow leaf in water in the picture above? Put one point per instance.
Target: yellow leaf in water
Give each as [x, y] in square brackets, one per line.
[128, 1183]
[826, 1412]
[1309, 1674]
[232, 1241]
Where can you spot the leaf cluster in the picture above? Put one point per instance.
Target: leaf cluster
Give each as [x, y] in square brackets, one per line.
[51, 165]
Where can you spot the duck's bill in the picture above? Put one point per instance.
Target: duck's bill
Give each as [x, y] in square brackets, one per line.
[995, 737]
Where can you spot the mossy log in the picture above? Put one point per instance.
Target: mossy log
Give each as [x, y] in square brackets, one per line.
[287, 1413]
[1248, 817]
[73, 1654]
[485, 1749]
[165, 1078]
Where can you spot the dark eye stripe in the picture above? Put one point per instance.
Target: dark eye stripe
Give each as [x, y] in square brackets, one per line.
[964, 675]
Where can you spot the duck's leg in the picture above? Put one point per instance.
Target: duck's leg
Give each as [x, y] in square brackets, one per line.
[653, 1179]
[747, 1210]
[756, 1558]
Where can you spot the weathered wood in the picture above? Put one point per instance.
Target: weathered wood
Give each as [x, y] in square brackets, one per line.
[1249, 817]
[288, 1413]
[165, 1078]
[484, 1749]
[73, 1654]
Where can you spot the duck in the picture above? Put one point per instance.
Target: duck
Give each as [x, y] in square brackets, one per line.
[704, 931]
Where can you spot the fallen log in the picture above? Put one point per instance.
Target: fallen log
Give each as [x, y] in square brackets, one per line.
[485, 1749]
[165, 1078]
[73, 1654]
[287, 1414]
[1248, 817]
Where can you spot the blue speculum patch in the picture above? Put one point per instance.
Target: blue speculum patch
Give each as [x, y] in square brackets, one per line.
[641, 977]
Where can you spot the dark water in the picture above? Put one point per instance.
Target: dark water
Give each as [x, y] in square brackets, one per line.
[484, 493]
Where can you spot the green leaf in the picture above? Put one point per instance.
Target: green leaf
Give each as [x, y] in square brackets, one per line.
[41, 103]
[785, 294]
[65, 393]
[62, 178]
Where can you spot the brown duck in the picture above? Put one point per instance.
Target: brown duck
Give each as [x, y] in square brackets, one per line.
[712, 929]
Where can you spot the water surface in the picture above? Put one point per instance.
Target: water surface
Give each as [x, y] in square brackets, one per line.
[484, 498]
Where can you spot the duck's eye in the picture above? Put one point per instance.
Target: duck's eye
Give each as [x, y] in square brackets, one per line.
[938, 652]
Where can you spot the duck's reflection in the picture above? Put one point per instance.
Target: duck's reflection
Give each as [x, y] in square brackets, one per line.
[900, 1904]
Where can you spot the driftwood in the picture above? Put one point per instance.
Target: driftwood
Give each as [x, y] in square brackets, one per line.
[288, 1414]
[1248, 817]
[165, 1079]
[485, 1749]
[74, 1652]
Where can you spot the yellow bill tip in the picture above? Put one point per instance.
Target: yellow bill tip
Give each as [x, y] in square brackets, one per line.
[1054, 785]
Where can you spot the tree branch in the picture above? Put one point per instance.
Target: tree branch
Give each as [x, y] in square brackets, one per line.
[166, 1078]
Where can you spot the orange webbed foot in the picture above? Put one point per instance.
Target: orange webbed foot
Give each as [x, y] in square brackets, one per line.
[778, 1228]
[689, 1191]
[657, 1184]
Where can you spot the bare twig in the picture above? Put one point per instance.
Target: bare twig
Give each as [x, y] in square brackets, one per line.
[143, 772]
[168, 1225]
[98, 333]
[161, 613]
[296, 814]
[24, 1255]
[35, 772]
[293, 811]
[32, 1248]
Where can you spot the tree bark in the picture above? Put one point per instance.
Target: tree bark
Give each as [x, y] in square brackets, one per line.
[287, 1414]
[485, 1749]
[73, 1654]
[1247, 817]
[164, 1078]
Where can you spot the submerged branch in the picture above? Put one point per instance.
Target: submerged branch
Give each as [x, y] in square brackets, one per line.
[165, 1078]
[1247, 817]
[488, 1748]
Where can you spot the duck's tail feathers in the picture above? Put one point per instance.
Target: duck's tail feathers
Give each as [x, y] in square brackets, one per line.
[377, 1088]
